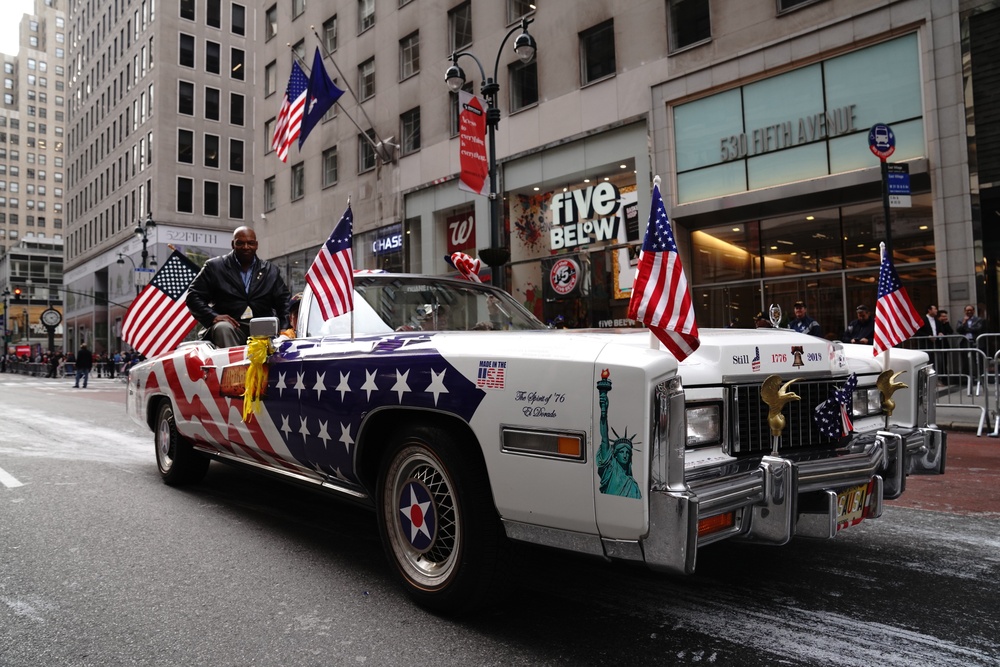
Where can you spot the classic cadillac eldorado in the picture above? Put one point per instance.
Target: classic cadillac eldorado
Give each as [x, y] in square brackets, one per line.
[465, 423]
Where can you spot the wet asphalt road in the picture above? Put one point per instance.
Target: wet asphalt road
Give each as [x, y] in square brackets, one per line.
[102, 564]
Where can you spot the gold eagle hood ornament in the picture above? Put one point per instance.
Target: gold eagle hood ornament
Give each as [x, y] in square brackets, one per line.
[776, 395]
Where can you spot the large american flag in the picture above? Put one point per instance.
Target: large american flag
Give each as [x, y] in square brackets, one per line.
[895, 317]
[158, 319]
[289, 121]
[331, 275]
[660, 295]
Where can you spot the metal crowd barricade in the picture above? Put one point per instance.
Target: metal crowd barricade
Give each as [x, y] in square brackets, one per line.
[961, 375]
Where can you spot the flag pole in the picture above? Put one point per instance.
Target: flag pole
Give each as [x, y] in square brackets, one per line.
[882, 251]
[347, 84]
[352, 272]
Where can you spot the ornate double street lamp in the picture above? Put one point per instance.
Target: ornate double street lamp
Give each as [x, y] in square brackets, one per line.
[121, 260]
[142, 231]
[524, 46]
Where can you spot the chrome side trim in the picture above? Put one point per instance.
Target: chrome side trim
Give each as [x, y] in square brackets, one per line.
[554, 537]
[672, 543]
[623, 549]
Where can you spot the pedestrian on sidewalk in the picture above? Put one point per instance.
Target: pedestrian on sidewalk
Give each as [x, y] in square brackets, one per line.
[84, 362]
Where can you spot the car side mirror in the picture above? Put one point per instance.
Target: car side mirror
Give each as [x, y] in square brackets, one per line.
[264, 326]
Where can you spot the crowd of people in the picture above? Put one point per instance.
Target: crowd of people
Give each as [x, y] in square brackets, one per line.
[861, 329]
[102, 364]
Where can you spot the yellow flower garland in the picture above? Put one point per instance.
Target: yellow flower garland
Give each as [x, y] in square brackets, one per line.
[259, 348]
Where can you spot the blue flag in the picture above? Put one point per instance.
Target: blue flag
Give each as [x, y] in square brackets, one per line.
[321, 94]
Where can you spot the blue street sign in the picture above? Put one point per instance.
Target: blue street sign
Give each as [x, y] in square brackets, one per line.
[881, 141]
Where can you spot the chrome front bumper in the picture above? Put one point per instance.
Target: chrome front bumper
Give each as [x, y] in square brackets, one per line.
[766, 498]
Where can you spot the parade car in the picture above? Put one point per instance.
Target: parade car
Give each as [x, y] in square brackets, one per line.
[466, 424]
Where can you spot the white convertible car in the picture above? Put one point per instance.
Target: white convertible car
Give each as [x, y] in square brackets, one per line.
[465, 423]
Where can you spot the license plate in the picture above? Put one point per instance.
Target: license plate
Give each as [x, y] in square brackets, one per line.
[851, 506]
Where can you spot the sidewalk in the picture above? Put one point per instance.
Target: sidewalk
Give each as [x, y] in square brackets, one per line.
[970, 483]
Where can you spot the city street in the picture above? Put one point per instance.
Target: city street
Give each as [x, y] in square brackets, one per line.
[102, 564]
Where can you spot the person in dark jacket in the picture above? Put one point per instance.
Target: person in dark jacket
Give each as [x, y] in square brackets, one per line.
[861, 330]
[84, 362]
[231, 289]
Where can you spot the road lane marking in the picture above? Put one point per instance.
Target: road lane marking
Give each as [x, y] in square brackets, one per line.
[8, 480]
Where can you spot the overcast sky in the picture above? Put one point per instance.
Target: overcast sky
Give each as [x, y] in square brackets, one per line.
[11, 12]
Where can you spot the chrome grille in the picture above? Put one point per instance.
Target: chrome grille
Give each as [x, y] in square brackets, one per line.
[748, 429]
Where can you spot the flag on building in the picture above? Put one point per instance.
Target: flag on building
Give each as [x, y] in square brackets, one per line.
[158, 319]
[660, 295]
[331, 276]
[321, 94]
[833, 416]
[288, 125]
[895, 317]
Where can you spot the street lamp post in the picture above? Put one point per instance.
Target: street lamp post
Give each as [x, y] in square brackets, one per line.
[121, 260]
[6, 319]
[141, 232]
[524, 46]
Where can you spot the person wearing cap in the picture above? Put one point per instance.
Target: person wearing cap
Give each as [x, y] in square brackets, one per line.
[802, 322]
[861, 330]
[293, 315]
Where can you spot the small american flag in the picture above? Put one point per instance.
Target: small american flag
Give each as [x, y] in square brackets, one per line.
[289, 121]
[159, 319]
[833, 415]
[895, 317]
[660, 295]
[331, 275]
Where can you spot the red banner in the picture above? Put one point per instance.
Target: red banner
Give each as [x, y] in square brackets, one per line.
[474, 176]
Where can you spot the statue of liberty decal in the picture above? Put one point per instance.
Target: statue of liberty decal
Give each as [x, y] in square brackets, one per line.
[614, 459]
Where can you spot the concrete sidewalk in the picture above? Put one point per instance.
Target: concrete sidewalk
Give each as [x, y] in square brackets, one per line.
[970, 483]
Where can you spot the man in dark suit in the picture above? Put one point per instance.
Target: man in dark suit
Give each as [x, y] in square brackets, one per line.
[930, 325]
[231, 289]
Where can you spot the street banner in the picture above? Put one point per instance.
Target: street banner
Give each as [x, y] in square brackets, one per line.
[472, 144]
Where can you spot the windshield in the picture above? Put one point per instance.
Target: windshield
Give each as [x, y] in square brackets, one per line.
[383, 304]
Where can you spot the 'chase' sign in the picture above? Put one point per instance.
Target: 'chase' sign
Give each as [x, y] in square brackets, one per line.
[388, 240]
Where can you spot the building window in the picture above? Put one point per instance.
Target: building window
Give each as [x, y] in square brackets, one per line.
[268, 135]
[410, 131]
[185, 146]
[212, 57]
[212, 103]
[366, 14]
[212, 151]
[298, 181]
[330, 34]
[366, 151]
[518, 8]
[210, 204]
[235, 155]
[298, 6]
[185, 195]
[597, 52]
[238, 22]
[523, 85]
[237, 105]
[689, 22]
[330, 166]
[236, 202]
[270, 78]
[186, 50]
[460, 26]
[409, 55]
[270, 22]
[238, 58]
[299, 49]
[185, 98]
[366, 79]
[187, 9]
[269, 194]
[213, 13]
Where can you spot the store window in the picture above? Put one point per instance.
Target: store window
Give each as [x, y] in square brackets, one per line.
[380, 249]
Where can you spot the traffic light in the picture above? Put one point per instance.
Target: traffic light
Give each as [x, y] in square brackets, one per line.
[17, 294]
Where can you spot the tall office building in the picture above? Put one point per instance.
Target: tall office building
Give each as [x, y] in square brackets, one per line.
[32, 171]
[158, 132]
[756, 115]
